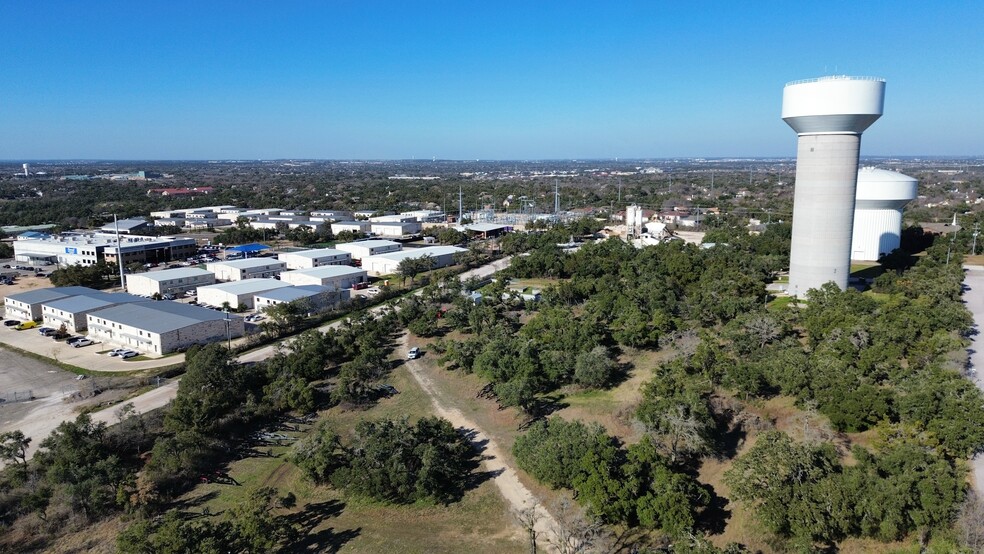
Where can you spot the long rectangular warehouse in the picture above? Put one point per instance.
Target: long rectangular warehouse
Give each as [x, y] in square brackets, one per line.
[168, 281]
[365, 248]
[162, 327]
[331, 276]
[236, 293]
[386, 264]
[306, 259]
[250, 268]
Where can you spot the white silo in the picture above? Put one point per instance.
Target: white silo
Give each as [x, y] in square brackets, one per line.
[878, 211]
[828, 114]
[26, 166]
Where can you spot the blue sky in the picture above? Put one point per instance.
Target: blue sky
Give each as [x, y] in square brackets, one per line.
[472, 80]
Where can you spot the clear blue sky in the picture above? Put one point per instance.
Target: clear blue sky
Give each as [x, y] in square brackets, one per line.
[472, 79]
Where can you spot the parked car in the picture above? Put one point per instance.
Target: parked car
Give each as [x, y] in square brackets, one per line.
[80, 377]
[118, 351]
[26, 325]
[11, 322]
[129, 354]
[372, 291]
[413, 354]
[83, 342]
[46, 331]
[70, 340]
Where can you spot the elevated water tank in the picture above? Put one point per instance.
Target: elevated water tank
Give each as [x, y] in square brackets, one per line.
[878, 211]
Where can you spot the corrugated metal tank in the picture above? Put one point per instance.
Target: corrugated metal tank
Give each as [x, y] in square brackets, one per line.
[881, 195]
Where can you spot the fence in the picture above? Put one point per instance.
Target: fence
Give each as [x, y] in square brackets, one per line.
[17, 396]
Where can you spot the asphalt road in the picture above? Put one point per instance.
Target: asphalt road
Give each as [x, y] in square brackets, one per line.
[974, 298]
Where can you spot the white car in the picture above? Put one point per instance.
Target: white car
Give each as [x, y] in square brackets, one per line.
[129, 354]
[372, 291]
[117, 351]
[82, 342]
[413, 353]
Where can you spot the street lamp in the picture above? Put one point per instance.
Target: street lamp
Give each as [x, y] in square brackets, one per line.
[228, 329]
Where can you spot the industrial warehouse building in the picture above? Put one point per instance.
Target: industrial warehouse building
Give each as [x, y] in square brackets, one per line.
[880, 197]
[305, 259]
[168, 281]
[72, 311]
[386, 264]
[161, 327]
[395, 229]
[365, 248]
[250, 268]
[90, 248]
[313, 298]
[331, 276]
[353, 226]
[236, 293]
[27, 306]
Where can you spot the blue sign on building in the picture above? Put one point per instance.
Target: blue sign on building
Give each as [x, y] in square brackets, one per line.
[70, 250]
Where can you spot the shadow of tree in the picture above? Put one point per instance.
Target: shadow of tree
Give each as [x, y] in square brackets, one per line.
[307, 522]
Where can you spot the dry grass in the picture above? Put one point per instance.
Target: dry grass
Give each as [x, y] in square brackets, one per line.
[480, 522]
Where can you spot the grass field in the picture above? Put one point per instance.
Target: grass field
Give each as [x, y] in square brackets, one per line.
[479, 523]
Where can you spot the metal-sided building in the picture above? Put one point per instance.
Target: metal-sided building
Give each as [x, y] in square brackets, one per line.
[72, 311]
[27, 306]
[306, 259]
[331, 276]
[353, 226]
[365, 248]
[250, 268]
[395, 229]
[236, 293]
[162, 327]
[386, 264]
[314, 298]
[169, 281]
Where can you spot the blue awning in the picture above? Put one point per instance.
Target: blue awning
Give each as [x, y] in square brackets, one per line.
[248, 248]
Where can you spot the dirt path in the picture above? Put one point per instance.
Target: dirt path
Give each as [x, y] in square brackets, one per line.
[511, 488]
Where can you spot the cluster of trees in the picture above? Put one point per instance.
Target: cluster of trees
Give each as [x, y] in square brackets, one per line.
[250, 526]
[80, 473]
[804, 493]
[634, 486]
[390, 460]
[98, 275]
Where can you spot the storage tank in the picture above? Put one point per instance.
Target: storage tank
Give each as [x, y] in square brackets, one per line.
[828, 114]
[880, 197]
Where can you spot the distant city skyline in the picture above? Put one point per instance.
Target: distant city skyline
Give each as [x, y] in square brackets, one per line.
[464, 81]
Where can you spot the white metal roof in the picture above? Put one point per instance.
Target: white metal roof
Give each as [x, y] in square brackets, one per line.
[316, 253]
[246, 286]
[414, 253]
[169, 274]
[248, 263]
[327, 271]
[376, 243]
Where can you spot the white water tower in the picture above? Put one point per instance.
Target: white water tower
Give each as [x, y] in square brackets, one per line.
[26, 167]
[828, 114]
[878, 211]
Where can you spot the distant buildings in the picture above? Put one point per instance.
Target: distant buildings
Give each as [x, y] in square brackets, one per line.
[386, 264]
[250, 268]
[306, 259]
[91, 248]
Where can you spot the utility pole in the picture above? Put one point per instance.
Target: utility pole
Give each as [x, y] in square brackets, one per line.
[556, 198]
[119, 253]
[977, 230]
[619, 191]
[460, 197]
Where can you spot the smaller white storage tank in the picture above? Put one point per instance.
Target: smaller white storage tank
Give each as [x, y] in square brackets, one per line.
[881, 195]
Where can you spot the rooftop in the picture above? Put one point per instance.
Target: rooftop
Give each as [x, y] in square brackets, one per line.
[169, 274]
[328, 271]
[246, 286]
[415, 253]
[289, 294]
[248, 263]
[375, 243]
[158, 317]
[89, 302]
[316, 253]
[49, 294]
